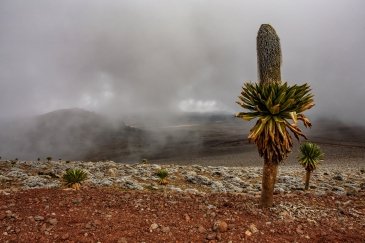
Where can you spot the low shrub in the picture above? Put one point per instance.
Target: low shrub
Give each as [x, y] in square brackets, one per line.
[162, 174]
[74, 177]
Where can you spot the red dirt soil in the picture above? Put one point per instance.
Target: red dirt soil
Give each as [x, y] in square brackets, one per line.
[114, 215]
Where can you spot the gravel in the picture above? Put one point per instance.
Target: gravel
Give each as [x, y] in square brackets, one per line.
[195, 179]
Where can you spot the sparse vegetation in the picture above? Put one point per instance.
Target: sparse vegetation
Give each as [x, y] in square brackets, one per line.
[49, 158]
[162, 174]
[309, 158]
[38, 159]
[74, 177]
[144, 161]
[273, 104]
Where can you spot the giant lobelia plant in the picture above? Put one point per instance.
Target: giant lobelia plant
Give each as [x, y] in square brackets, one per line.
[277, 107]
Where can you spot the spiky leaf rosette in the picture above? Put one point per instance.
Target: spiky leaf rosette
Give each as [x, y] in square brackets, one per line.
[310, 155]
[162, 174]
[274, 105]
[73, 176]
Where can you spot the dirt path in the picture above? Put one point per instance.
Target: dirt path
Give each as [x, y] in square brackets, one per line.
[114, 215]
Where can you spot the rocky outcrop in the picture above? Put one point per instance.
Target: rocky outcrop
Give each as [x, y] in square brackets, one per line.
[193, 179]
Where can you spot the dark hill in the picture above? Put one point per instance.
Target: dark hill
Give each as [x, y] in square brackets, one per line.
[66, 134]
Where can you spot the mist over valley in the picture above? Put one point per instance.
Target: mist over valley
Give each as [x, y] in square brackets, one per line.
[210, 139]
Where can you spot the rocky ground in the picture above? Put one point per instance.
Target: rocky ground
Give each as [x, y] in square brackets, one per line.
[124, 203]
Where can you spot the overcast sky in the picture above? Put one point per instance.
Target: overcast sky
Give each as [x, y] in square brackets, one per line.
[118, 56]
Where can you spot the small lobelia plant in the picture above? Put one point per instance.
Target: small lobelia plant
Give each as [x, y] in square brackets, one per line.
[74, 177]
[309, 157]
[162, 174]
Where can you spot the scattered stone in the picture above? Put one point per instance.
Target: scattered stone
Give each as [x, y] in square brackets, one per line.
[122, 240]
[35, 182]
[129, 183]
[101, 182]
[218, 186]
[198, 179]
[253, 228]
[49, 174]
[165, 229]
[279, 190]
[299, 229]
[65, 236]
[248, 233]
[211, 236]
[38, 218]
[112, 172]
[44, 227]
[97, 222]
[285, 179]
[286, 216]
[4, 178]
[192, 191]
[8, 213]
[320, 193]
[201, 229]
[220, 226]
[5, 193]
[153, 226]
[210, 206]
[88, 226]
[173, 188]
[53, 221]
[17, 173]
[187, 217]
[77, 200]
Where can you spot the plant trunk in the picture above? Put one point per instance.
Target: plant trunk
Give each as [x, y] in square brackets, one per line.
[307, 177]
[268, 183]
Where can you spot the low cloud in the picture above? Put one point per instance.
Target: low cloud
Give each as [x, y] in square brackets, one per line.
[201, 106]
[160, 57]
